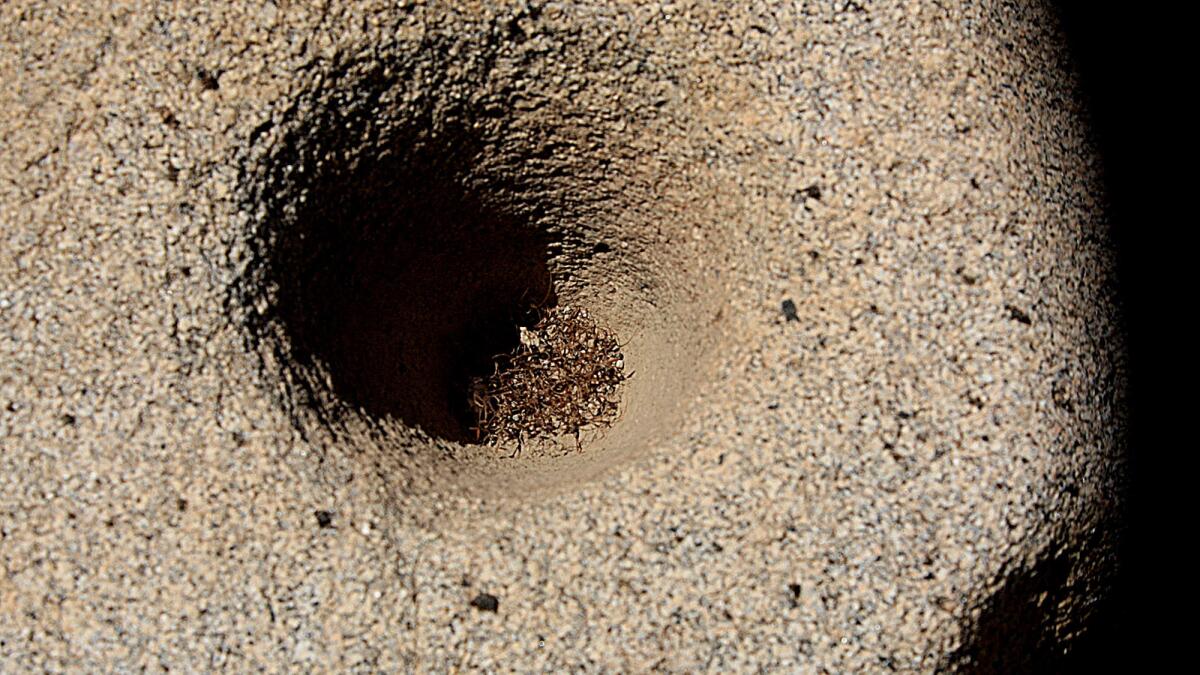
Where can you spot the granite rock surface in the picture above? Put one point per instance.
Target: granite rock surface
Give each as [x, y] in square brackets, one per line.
[857, 253]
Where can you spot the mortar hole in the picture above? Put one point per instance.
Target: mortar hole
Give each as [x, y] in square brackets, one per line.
[405, 285]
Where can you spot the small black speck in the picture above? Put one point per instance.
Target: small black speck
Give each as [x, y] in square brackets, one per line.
[239, 439]
[208, 79]
[168, 117]
[810, 192]
[772, 406]
[789, 310]
[68, 420]
[486, 602]
[601, 248]
[1017, 314]
[181, 504]
[975, 183]
[795, 590]
[324, 519]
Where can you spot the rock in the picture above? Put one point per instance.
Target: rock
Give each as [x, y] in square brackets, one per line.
[486, 602]
[251, 258]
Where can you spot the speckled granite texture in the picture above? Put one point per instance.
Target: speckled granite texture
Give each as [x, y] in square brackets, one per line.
[218, 221]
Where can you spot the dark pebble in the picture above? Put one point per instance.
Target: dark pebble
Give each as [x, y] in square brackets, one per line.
[795, 590]
[1019, 315]
[789, 310]
[486, 602]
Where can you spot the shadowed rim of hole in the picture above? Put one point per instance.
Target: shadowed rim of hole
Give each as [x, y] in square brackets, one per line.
[398, 289]
[391, 262]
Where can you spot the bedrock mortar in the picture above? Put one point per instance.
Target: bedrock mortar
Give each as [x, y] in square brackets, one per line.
[412, 209]
[249, 250]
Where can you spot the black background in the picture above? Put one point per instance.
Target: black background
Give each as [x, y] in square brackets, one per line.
[1134, 93]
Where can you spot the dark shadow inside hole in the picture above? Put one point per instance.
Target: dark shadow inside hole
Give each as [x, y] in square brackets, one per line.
[406, 285]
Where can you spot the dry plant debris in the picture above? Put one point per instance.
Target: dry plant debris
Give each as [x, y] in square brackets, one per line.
[565, 375]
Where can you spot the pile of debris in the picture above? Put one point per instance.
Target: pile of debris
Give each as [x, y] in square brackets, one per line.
[565, 375]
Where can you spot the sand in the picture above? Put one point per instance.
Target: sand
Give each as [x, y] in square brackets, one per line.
[857, 255]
